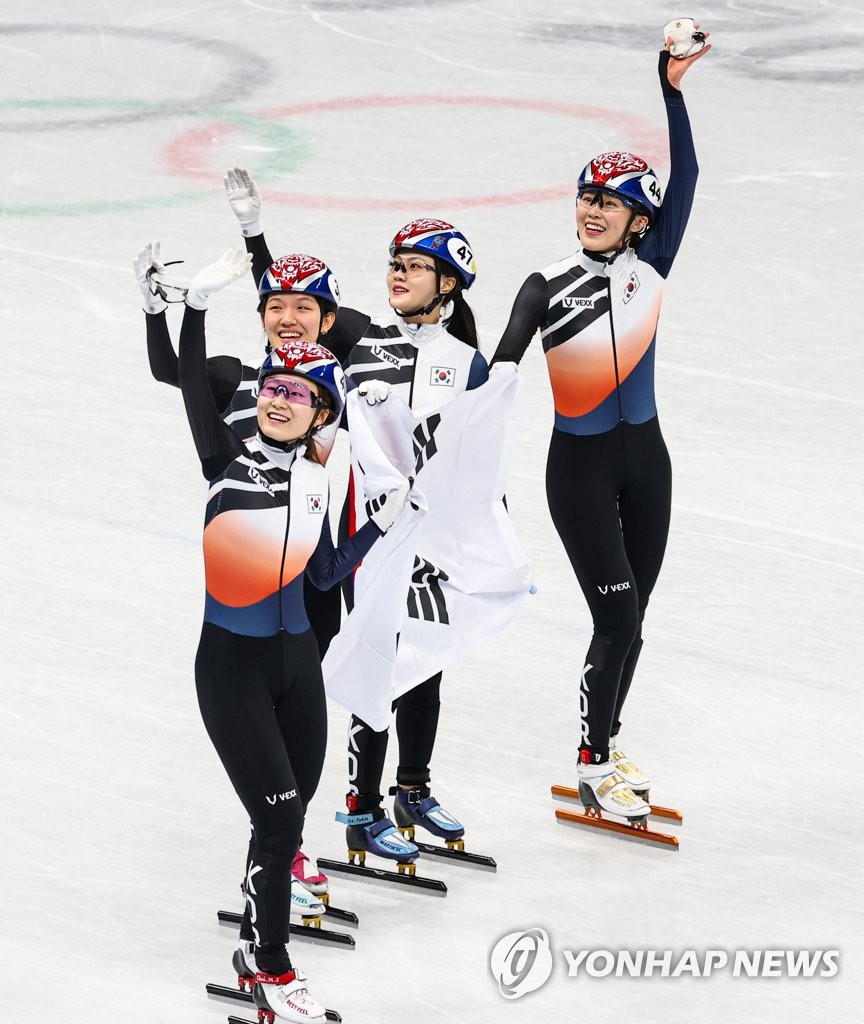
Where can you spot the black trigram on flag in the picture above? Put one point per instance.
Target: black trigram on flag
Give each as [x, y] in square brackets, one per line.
[425, 598]
[373, 504]
[424, 441]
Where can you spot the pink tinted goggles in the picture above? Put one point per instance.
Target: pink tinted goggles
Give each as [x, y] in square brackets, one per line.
[293, 391]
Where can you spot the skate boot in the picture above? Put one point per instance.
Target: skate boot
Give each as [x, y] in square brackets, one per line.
[244, 964]
[417, 807]
[286, 997]
[308, 906]
[315, 881]
[601, 789]
[372, 831]
[632, 774]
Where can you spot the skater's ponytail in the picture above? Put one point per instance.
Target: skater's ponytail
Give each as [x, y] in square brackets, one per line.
[460, 323]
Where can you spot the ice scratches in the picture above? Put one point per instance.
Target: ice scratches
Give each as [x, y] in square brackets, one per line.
[246, 72]
[340, 6]
[781, 66]
[774, 54]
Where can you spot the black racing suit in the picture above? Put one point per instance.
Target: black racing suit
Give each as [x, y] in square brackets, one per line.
[257, 670]
[232, 385]
[608, 475]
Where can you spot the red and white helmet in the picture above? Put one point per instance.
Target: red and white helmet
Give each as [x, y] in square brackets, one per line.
[306, 359]
[298, 272]
[626, 176]
[441, 240]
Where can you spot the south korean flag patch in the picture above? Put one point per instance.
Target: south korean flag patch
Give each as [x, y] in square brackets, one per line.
[314, 503]
[631, 287]
[442, 376]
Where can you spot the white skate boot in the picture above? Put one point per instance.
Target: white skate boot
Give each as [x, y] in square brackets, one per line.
[244, 964]
[286, 997]
[309, 907]
[632, 774]
[602, 788]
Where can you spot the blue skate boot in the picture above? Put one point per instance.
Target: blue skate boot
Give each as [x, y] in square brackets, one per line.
[418, 807]
[371, 831]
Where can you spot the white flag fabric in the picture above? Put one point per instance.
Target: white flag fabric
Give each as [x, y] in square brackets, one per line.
[450, 574]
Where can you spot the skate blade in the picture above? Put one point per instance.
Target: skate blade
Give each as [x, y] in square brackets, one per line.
[330, 1015]
[230, 919]
[668, 815]
[631, 832]
[377, 876]
[232, 995]
[471, 860]
[323, 936]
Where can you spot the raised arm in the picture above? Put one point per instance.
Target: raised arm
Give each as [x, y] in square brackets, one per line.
[217, 445]
[223, 372]
[244, 198]
[664, 239]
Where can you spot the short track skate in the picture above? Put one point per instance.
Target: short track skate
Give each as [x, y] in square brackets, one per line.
[412, 810]
[404, 877]
[239, 995]
[599, 820]
[371, 831]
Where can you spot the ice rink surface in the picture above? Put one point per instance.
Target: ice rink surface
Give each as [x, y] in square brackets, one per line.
[121, 836]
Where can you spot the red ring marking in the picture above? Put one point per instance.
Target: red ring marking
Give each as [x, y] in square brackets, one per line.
[185, 155]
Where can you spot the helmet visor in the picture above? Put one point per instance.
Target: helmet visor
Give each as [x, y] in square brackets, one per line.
[291, 390]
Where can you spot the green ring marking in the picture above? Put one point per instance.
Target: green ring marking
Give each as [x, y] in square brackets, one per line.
[292, 151]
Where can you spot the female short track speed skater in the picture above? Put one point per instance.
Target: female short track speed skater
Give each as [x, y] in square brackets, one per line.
[257, 669]
[608, 475]
[304, 312]
[310, 315]
[430, 266]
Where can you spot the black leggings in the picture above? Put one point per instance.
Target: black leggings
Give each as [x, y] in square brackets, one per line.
[610, 498]
[262, 701]
[416, 726]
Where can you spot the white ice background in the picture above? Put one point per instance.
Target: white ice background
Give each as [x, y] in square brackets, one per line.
[121, 835]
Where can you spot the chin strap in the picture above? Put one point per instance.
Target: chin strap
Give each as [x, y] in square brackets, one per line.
[282, 446]
[290, 446]
[609, 257]
[439, 300]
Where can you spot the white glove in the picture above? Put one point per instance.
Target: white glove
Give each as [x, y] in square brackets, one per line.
[231, 264]
[145, 264]
[504, 366]
[389, 506]
[245, 200]
[374, 391]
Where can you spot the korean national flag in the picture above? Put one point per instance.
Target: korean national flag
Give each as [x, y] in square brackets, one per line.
[442, 376]
[450, 573]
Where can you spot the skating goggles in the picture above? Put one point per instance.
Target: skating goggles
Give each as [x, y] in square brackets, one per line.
[293, 391]
[600, 197]
[159, 284]
[410, 268]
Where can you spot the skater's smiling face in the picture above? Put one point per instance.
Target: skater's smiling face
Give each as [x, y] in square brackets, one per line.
[288, 406]
[604, 222]
[289, 317]
[412, 279]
